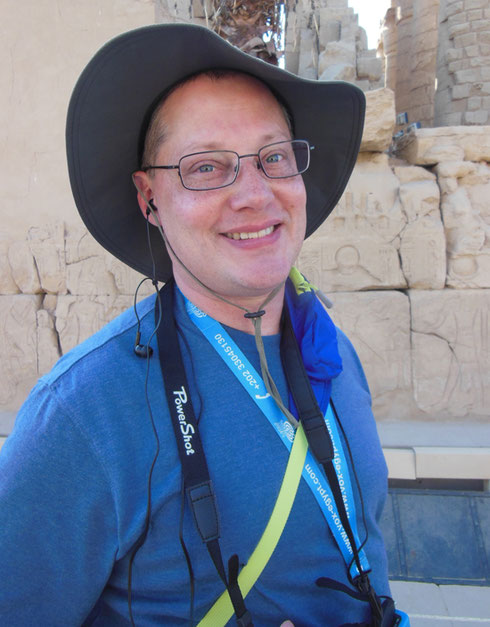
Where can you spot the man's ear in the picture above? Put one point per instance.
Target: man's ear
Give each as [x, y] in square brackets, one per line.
[144, 187]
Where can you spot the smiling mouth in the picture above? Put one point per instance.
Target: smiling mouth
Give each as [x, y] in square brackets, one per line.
[255, 235]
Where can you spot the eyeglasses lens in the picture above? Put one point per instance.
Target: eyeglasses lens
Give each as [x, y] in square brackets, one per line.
[284, 159]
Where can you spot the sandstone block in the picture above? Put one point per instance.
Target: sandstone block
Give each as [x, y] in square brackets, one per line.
[329, 31]
[457, 18]
[466, 216]
[307, 66]
[336, 53]
[458, 29]
[472, 270]
[380, 120]
[474, 103]
[454, 55]
[18, 342]
[461, 41]
[475, 117]
[484, 38]
[480, 25]
[410, 173]
[378, 324]
[370, 68]
[465, 76]
[357, 247]
[47, 246]
[428, 146]
[423, 253]
[7, 283]
[451, 119]
[47, 342]
[448, 185]
[465, 233]
[453, 8]
[460, 91]
[330, 13]
[23, 268]
[455, 169]
[363, 84]
[420, 199]
[483, 88]
[473, 51]
[339, 72]
[423, 243]
[474, 14]
[457, 66]
[450, 352]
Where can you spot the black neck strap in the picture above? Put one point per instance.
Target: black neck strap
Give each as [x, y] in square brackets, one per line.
[320, 443]
[197, 482]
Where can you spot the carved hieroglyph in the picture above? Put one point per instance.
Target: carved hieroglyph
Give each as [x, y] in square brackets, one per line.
[378, 325]
[423, 243]
[451, 352]
[465, 209]
[357, 247]
[19, 346]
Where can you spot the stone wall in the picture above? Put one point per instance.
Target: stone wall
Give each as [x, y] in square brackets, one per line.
[437, 60]
[405, 257]
[46, 262]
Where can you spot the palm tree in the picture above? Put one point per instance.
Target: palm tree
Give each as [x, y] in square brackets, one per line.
[254, 26]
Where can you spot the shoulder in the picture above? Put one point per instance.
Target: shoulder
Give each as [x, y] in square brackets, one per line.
[90, 384]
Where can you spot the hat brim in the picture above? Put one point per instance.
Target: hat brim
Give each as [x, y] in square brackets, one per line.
[112, 97]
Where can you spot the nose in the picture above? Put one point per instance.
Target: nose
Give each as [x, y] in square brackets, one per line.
[252, 189]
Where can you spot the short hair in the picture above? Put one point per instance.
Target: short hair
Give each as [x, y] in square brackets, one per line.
[154, 131]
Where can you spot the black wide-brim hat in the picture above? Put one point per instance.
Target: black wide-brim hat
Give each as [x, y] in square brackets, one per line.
[121, 83]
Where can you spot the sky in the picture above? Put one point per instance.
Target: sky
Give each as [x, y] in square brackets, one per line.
[370, 13]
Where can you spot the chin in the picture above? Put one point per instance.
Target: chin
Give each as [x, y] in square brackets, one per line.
[257, 284]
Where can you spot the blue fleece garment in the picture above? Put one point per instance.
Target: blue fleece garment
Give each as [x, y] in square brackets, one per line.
[73, 491]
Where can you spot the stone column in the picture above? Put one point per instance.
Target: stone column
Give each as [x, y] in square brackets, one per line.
[463, 63]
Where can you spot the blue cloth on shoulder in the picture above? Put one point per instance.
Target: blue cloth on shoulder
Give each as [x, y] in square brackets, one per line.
[317, 339]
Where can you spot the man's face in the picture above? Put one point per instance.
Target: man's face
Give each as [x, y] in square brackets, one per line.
[233, 113]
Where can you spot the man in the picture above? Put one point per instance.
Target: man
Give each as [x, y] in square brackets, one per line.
[103, 506]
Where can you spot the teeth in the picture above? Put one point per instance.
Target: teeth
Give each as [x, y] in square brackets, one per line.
[255, 235]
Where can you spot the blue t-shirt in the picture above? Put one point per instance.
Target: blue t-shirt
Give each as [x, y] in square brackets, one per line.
[74, 491]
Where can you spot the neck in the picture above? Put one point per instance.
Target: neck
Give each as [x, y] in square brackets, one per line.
[232, 315]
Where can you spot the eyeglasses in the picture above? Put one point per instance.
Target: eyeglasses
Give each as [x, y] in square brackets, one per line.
[213, 169]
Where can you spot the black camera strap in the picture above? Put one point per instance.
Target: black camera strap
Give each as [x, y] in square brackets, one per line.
[321, 446]
[197, 482]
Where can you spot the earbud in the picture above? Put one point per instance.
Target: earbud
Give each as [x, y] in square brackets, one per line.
[141, 350]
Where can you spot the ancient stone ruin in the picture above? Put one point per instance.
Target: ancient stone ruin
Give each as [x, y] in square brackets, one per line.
[437, 56]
